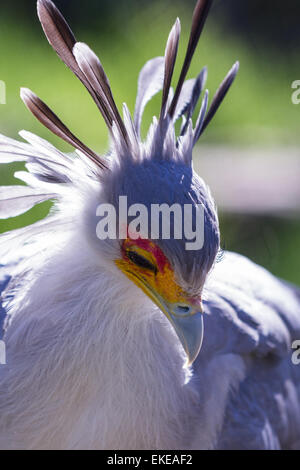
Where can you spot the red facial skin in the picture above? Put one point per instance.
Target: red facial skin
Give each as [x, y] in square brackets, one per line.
[149, 246]
[162, 262]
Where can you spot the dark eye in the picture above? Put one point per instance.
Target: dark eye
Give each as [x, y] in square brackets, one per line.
[141, 261]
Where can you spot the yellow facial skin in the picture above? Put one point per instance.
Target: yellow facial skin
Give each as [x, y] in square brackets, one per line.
[160, 280]
[145, 264]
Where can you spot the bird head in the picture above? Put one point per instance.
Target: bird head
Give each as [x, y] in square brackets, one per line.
[145, 175]
[151, 245]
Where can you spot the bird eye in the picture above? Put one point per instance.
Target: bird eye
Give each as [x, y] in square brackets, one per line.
[141, 261]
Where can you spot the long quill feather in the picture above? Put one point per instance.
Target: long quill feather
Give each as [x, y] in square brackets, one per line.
[47, 117]
[199, 17]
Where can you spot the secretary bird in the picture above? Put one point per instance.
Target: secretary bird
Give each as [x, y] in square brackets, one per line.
[103, 334]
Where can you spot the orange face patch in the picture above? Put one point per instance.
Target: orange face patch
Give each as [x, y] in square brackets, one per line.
[146, 265]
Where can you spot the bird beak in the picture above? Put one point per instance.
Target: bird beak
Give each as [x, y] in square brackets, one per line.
[190, 333]
[183, 311]
[185, 317]
[188, 324]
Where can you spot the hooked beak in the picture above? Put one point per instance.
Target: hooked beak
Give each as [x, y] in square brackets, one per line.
[189, 330]
[186, 319]
[188, 324]
[183, 311]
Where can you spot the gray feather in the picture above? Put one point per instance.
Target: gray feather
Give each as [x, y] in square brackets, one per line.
[44, 160]
[47, 117]
[132, 134]
[199, 17]
[14, 241]
[48, 173]
[200, 119]
[11, 157]
[13, 151]
[92, 69]
[184, 99]
[62, 39]
[15, 200]
[44, 148]
[220, 95]
[170, 58]
[197, 90]
[151, 79]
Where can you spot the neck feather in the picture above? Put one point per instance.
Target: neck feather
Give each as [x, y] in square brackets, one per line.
[96, 360]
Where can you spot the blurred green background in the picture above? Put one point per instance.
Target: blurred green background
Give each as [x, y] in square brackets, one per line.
[257, 114]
